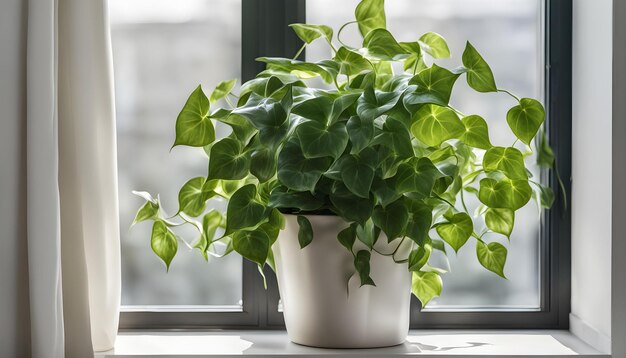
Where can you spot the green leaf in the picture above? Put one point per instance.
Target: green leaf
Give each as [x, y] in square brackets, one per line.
[360, 132]
[373, 104]
[300, 69]
[318, 109]
[351, 62]
[242, 129]
[317, 140]
[193, 125]
[381, 45]
[420, 220]
[492, 256]
[426, 286]
[368, 233]
[508, 160]
[500, 221]
[545, 155]
[281, 197]
[350, 206]
[476, 132]
[435, 45]
[163, 242]
[370, 15]
[228, 160]
[148, 211]
[243, 210]
[525, 119]
[479, 75]
[308, 33]
[222, 90]
[357, 172]
[347, 236]
[211, 221]
[362, 265]
[436, 81]
[342, 104]
[456, 230]
[253, 245]
[192, 197]
[395, 136]
[392, 220]
[434, 124]
[545, 196]
[297, 172]
[419, 257]
[269, 118]
[416, 177]
[305, 232]
[263, 164]
[506, 193]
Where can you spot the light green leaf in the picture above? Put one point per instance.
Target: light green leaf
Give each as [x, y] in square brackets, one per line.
[308, 33]
[253, 245]
[500, 221]
[525, 119]
[434, 124]
[362, 265]
[297, 172]
[476, 132]
[492, 256]
[317, 140]
[508, 160]
[436, 81]
[148, 211]
[222, 90]
[211, 221]
[243, 210]
[305, 232]
[381, 45]
[507, 193]
[544, 195]
[435, 45]
[456, 230]
[370, 15]
[350, 62]
[192, 197]
[545, 155]
[479, 75]
[163, 242]
[193, 125]
[228, 160]
[304, 70]
[392, 220]
[426, 286]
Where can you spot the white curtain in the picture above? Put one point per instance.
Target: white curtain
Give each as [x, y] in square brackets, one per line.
[72, 214]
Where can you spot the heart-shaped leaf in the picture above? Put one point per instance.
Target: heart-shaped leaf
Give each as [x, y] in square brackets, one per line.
[476, 132]
[492, 256]
[508, 160]
[478, 72]
[222, 90]
[419, 257]
[434, 124]
[506, 193]
[263, 164]
[297, 172]
[456, 230]
[436, 81]
[426, 286]
[317, 140]
[370, 14]
[435, 45]
[243, 210]
[500, 220]
[193, 125]
[253, 245]
[525, 119]
[373, 104]
[362, 265]
[192, 197]
[392, 220]
[350, 206]
[347, 236]
[163, 242]
[360, 132]
[350, 62]
[381, 45]
[305, 231]
[228, 160]
[308, 33]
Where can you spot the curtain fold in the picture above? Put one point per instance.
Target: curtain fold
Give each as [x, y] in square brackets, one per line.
[73, 229]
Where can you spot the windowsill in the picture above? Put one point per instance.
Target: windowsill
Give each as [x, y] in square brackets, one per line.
[424, 343]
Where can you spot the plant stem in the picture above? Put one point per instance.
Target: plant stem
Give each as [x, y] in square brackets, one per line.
[341, 29]
[463, 202]
[299, 51]
[509, 93]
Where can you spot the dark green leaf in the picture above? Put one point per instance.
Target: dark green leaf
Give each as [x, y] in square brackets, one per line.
[435, 45]
[420, 220]
[434, 124]
[508, 160]
[492, 256]
[357, 172]
[317, 140]
[361, 133]
[193, 125]
[500, 220]
[269, 118]
[263, 164]
[416, 177]
[456, 230]
[370, 15]
[253, 245]
[373, 104]
[164, 243]
[297, 172]
[395, 136]
[545, 155]
[476, 132]
[368, 233]
[318, 109]
[479, 75]
[347, 236]
[350, 206]
[419, 257]
[305, 232]
[525, 119]
[301, 200]
[228, 160]
[507, 193]
[243, 210]
[362, 265]
[426, 286]
[392, 220]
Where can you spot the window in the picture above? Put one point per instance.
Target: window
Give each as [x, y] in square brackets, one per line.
[162, 50]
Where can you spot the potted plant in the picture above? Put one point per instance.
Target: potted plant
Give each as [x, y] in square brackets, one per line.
[346, 191]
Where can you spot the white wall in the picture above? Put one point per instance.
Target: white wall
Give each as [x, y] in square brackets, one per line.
[14, 327]
[591, 169]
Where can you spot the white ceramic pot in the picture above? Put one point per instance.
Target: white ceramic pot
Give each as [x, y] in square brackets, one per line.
[323, 304]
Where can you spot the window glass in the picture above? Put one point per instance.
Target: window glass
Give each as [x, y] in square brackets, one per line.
[508, 34]
[162, 50]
